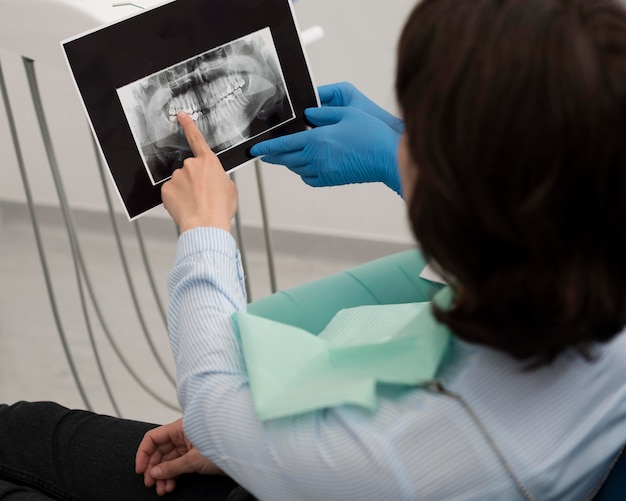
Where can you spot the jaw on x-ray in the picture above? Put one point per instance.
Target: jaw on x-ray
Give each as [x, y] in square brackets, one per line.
[233, 93]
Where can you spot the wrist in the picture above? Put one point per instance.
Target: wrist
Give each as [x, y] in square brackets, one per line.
[205, 222]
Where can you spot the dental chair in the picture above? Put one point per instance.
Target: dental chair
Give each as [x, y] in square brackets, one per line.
[390, 280]
[614, 487]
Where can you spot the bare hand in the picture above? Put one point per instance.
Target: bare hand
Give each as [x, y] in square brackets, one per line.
[165, 453]
[200, 193]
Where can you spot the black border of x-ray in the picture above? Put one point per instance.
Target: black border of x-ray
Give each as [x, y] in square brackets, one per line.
[110, 57]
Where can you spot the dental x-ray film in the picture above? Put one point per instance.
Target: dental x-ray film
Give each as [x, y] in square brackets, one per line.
[237, 67]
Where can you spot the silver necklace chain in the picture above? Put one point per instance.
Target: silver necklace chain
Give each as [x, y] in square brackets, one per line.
[438, 387]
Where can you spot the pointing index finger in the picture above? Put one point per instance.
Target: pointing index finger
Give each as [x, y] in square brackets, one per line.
[196, 140]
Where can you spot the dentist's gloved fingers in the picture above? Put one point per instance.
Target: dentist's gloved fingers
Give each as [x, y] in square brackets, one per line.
[346, 94]
[333, 95]
[293, 159]
[308, 170]
[313, 181]
[291, 142]
[327, 115]
[347, 146]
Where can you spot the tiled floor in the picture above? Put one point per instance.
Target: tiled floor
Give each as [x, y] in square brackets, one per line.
[124, 323]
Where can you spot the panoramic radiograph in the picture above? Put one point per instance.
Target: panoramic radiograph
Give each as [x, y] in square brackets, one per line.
[233, 92]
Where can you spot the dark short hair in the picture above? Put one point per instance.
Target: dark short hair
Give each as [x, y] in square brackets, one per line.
[515, 114]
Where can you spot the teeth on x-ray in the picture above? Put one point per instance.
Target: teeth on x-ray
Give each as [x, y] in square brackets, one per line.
[224, 90]
[199, 105]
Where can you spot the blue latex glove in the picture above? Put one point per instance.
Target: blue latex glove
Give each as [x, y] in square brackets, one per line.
[346, 94]
[355, 141]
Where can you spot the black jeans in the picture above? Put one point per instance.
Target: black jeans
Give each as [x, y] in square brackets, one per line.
[50, 452]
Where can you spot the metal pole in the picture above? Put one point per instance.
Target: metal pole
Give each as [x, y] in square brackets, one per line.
[266, 226]
[42, 256]
[242, 250]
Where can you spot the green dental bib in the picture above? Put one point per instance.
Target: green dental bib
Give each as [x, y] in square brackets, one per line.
[292, 371]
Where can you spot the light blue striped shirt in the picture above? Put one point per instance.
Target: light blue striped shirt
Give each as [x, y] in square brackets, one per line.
[557, 428]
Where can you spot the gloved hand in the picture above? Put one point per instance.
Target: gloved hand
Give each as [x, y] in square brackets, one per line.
[346, 94]
[355, 141]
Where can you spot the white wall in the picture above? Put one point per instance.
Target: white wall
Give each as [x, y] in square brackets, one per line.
[359, 46]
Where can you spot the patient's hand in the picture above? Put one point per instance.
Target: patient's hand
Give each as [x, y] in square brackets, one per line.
[165, 453]
[201, 193]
